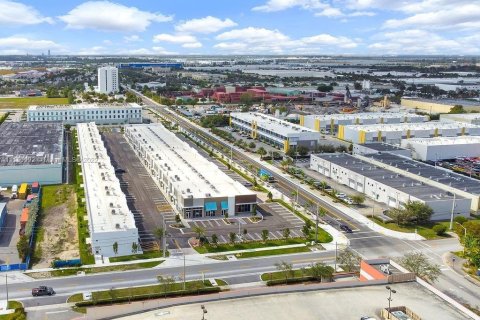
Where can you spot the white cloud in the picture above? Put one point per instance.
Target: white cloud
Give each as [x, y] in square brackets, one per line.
[186, 40]
[16, 13]
[109, 16]
[330, 12]
[29, 45]
[261, 40]
[415, 41]
[279, 5]
[95, 50]
[132, 38]
[205, 25]
[147, 51]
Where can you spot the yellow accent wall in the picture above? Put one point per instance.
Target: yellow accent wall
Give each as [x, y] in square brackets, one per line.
[463, 131]
[302, 120]
[408, 134]
[341, 132]
[379, 135]
[362, 136]
[435, 132]
[316, 125]
[286, 145]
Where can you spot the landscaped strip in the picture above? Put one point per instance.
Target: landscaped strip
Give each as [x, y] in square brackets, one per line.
[160, 290]
[273, 252]
[18, 314]
[140, 256]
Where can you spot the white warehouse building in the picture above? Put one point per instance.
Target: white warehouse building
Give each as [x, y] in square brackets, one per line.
[387, 186]
[442, 148]
[331, 122]
[109, 218]
[194, 186]
[472, 118]
[281, 133]
[106, 114]
[108, 81]
[394, 133]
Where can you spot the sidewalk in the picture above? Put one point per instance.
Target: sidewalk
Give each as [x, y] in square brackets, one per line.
[457, 266]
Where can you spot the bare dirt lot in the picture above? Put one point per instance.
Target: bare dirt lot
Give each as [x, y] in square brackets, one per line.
[58, 235]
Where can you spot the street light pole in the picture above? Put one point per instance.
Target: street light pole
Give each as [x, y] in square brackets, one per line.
[164, 244]
[336, 249]
[316, 225]
[390, 299]
[465, 235]
[204, 311]
[453, 209]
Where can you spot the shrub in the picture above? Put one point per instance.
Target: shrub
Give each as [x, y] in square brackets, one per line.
[439, 229]
[460, 219]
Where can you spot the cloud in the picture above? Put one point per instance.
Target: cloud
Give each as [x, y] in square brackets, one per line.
[205, 25]
[187, 41]
[261, 40]
[279, 5]
[95, 50]
[415, 41]
[109, 16]
[132, 38]
[146, 51]
[27, 44]
[16, 14]
[330, 12]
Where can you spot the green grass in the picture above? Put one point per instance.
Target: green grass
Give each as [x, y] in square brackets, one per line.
[19, 313]
[208, 248]
[221, 282]
[279, 275]
[273, 252]
[425, 231]
[143, 256]
[25, 102]
[73, 271]
[54, 195]
[138, 291]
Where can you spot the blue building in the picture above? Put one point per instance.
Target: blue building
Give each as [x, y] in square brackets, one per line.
[141, 65]
[3, 215]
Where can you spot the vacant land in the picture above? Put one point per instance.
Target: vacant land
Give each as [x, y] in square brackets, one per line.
[25, 102]
[57, 237]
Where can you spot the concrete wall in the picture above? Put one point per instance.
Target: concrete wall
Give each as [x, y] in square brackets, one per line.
[45, 174]
[102, 242]
[425, 152]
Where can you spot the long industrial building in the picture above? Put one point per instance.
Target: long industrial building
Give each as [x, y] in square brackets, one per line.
[438, 106]
[394, 133]
[472, 118]
[331, 122]
[194, 186]
[111, 223]
[442, 148]
[31, 152]
[430, 175]
[389, 187]
[106, 114]
[281, 133]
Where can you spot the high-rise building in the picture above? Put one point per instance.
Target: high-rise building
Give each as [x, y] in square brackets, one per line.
[108, 79]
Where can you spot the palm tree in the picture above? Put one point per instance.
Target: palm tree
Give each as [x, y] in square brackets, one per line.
[323, 185]
[264, 235]
[261, 151]
[294, 194]
[232, 236]
[306, 231]
[115, 247]
[214, 239]
[269, 196]
[286, 268]
[286, 233]
[199, 231]
[159, 233]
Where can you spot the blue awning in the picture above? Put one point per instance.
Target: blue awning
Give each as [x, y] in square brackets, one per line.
[224, 205]
[211, 206]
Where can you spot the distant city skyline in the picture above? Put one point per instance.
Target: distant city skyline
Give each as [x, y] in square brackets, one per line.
[295, 27]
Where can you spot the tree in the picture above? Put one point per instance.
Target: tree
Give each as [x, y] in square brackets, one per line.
[286, 268]
[358, 198]
[306, 231]
[286, 233]
[115, 247]
[321, 272]
[23, 247]
[323, 185]
[457, 109]
[349, 260]
[159, 233]
[269, 195]
[400, 216]
[324, 87]
[232, 236]
[166, 282]
[214, 240]
[71, 97]
[439, 229]
[302, 150]
[199, 231]
[357, 85]
[252, 145]
[134, 247]
[418, 263]
[291, 152]
[247, 98]
[264, 235]
[262, 152]
[419, 211]
[286, 163]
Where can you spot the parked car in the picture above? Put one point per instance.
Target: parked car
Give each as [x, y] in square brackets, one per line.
[341, 195]
[43, 291]
[348, 200]
[248, 184]
[367, 318]
[346, 228]
[120, 170]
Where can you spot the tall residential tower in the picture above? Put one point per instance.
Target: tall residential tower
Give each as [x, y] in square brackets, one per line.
[108, 79]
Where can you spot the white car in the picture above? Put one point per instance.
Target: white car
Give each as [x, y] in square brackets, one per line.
[348, 200]
[341, 195]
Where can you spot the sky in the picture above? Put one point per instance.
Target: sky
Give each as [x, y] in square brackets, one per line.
[294, 27]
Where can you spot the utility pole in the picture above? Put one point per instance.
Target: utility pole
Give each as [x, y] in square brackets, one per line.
[164, 245]
[336, 249]
[316, 224]
[184, 272]
[453, 209]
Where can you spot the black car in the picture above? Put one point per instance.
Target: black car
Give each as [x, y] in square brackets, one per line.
[120, 170]
[346, 228]
[43, 291]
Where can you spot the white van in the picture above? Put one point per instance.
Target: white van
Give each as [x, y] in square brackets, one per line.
[14, 191]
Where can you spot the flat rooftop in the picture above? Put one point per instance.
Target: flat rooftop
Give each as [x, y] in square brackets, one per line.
[424, 170]
[82, 106]
[327, 304]
[468, 116]
[28, 143]
[271, 123]
[108, 209]
[397, 181]
[445, 141]
[195, 175]
[449, 102]
[366, 115]
[412, 126]
[383, 147]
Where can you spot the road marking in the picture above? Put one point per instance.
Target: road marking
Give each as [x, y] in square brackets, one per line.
[60, 311]
[119, 279]
[365, 237]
